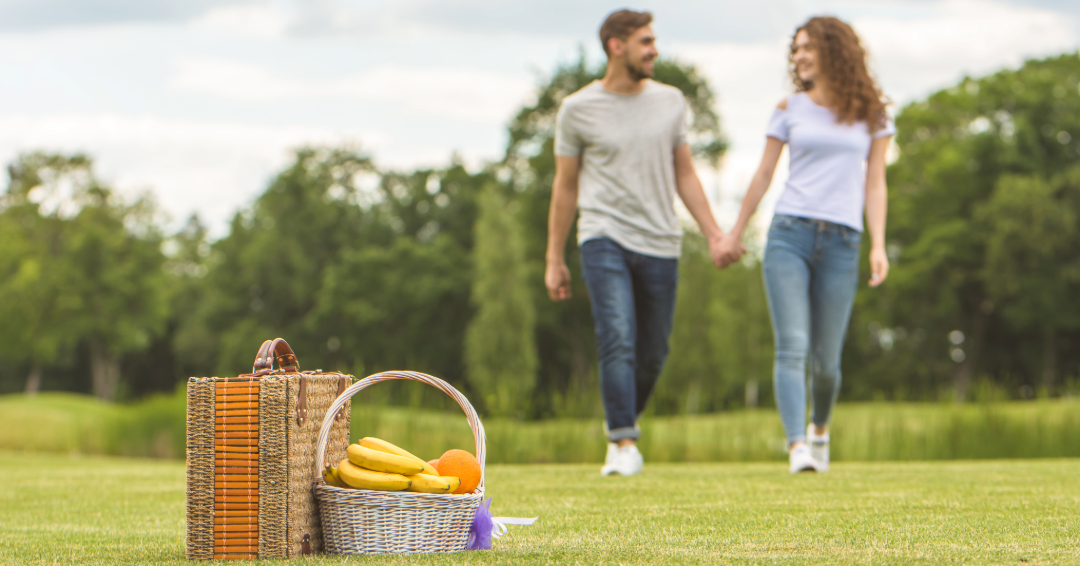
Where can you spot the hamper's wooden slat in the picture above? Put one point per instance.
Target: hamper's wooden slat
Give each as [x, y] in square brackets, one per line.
[236, 548]
[237, 513]
[237, 427]
[243, 520]
[237, 384]
[228, 494]
[236, 441]
[235, 556]
[238, 394]
[234, 459]
[246, 476]
[235, 505]
[253, 434]
[231, 419]
[236, 413]
[247, 528]
[226, 405]
[227, 539]
[238, 450]
[231, 485]
[235, 470]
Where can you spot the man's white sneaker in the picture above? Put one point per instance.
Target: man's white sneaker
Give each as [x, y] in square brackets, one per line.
[800, 460]
[819, 448]
[625, 461]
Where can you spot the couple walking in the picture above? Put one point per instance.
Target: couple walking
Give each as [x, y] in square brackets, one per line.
[622, 155]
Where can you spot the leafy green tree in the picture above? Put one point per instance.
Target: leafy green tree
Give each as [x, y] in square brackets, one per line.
[263, 278]
[976, 185]
[91, 272]
[1032, 269]
[500, 348]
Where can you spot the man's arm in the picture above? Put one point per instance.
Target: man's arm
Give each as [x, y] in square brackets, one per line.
[692, 194]
[564, 195]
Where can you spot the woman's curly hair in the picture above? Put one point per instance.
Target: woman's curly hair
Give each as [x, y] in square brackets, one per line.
[842, 61]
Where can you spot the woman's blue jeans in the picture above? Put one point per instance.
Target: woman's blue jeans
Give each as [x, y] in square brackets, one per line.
[811, 273]
[633, 303]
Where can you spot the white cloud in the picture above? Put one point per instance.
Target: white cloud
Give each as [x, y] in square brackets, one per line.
[262, 20]
[454, 93]
[213, 168]
[916, 56]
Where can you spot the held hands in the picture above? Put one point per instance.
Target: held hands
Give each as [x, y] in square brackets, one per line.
[557, 280]
[726, 250]
[879, 266]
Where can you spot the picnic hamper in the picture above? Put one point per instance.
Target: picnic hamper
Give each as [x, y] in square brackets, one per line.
[358, 521]
[250, 451]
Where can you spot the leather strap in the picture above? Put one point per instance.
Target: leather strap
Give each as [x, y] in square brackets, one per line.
[343, 383]
[276, 350]
[301, 401]
[305, 545]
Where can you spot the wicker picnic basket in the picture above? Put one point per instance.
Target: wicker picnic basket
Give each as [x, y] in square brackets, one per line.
[358, 521]
[250, 451]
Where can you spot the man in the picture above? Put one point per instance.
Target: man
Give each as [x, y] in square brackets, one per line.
[621, 156]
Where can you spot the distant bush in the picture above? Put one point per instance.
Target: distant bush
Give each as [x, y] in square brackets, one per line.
[67, 423]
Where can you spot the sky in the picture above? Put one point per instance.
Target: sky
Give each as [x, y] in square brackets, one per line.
[201, 102]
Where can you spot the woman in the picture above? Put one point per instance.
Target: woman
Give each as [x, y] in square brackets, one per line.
[838, 133]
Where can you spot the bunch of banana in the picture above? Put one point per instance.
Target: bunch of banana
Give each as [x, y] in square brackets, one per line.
[376, 464]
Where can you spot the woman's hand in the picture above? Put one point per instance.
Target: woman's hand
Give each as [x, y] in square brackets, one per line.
[726, 250]
[879, 266]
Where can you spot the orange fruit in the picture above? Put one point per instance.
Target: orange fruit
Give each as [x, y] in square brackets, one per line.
[434, 463]
[463, 465]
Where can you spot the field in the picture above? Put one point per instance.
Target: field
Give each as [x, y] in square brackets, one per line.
[106, 510]
[1048, 428]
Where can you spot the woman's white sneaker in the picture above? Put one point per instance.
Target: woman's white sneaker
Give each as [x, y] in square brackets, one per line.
[800, 460]
[819, 448]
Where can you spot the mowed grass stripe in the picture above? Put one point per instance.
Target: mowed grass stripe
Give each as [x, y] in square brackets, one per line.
[117, 511]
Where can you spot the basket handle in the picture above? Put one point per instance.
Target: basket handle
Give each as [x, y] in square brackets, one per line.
[275, 350]
[328, 421]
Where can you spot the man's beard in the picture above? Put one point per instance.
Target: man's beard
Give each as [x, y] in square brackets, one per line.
[637, 72]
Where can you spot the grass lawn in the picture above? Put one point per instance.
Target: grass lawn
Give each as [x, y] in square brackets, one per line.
[97, 510]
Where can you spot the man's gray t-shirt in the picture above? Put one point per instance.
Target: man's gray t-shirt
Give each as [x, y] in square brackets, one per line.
[626, 188]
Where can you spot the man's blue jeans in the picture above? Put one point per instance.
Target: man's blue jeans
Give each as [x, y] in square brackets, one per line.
[633, 303]
[811, 273]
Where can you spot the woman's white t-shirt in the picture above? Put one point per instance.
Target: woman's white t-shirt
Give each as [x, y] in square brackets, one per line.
[827, 179]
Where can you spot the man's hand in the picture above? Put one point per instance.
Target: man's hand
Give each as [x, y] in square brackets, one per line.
[726, 250]
[557, 280]
[879, 266]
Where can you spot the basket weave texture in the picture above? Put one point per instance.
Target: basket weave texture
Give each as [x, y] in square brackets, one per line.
[357, 521]
[285, 517]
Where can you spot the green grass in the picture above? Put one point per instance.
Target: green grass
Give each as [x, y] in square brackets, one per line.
[67, 423]
[95, 510]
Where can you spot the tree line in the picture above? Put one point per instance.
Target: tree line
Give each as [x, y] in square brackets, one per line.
[441, 270]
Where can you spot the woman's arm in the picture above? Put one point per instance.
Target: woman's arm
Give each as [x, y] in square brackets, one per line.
[758, 186]
[876, 205]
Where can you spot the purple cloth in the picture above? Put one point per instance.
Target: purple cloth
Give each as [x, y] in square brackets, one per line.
[482, 526]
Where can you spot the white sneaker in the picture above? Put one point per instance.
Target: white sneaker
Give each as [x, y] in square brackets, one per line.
[819, 448]
[800, 460]
[625, 461]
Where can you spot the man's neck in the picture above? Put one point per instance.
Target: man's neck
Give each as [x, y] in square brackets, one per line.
[618, 80]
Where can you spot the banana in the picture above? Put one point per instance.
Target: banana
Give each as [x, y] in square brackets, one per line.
[331, 477]
[425, 483]
[382, 461]
[455, 482]
[355, 476]
[384, 446]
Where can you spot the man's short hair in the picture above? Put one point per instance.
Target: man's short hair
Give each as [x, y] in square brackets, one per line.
[622, 24]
